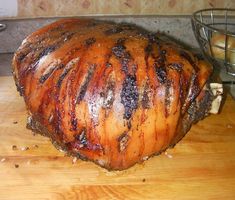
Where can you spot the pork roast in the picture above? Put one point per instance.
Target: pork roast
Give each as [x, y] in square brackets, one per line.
[111, 93]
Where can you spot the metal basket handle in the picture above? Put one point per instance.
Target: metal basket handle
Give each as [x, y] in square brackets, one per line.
[2, 27]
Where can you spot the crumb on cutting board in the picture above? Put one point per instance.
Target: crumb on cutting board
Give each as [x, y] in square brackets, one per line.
[14, 147]
[24, 148]
[74, 160]
[229, 126]
[168, 155]
[35, 146]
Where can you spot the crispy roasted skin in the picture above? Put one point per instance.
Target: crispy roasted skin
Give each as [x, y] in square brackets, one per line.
[110, 93]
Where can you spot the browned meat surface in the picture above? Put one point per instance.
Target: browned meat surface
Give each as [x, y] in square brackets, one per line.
[110, 93]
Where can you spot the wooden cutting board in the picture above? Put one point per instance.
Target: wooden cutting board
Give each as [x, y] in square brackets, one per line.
[201, 166]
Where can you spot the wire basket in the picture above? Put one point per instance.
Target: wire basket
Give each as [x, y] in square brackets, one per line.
[2, 27]
[214, 30]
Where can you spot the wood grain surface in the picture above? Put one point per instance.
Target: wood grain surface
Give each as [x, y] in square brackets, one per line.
[201, 166]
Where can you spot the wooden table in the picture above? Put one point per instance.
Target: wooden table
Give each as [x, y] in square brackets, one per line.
[202, 165]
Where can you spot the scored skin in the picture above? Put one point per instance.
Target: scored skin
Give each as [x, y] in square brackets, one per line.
[83, 66]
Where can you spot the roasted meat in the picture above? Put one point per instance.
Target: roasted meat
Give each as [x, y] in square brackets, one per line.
[111, 93]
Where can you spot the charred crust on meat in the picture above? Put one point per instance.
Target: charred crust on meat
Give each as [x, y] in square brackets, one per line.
[129, 95]
[42, 51]
[120, 52]
[194, 113]
[59, 27]
[81, 142]
[160, 60]
[72, 51]
[67, 36]
[102, 94]
[175, 66]
[45, 76]
[121, 40]
[148, 49]
[74, 123]
[195, 88]
[182, 95]
[21, 56]
[62, 76]
[90, 41]
[119, 28]
[114, 30]
[187, 56]
[47, 51]
[85, 84]
[128, 124]
[123, 141]
[167, 97]
[134, 69]
[61, 66]
[34, 125]
[159, 65]
[145, 98]
[108, 64]
[28, 47]
[108, 95]
[81, 138]
[19, 88]
[161, 74]
[152, 37]
[204, 104]
[57, 121]
[39, 41]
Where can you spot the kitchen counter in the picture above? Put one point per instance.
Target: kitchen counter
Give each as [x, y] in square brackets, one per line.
[5, 64]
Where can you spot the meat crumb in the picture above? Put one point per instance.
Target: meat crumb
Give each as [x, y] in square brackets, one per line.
[74, 160]
[15, 122]
[24, 148]
[229, 126]
[168, 155]
[61, 150]
[16, 166]
[3, 159]
[145, 158]
[14, 147]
